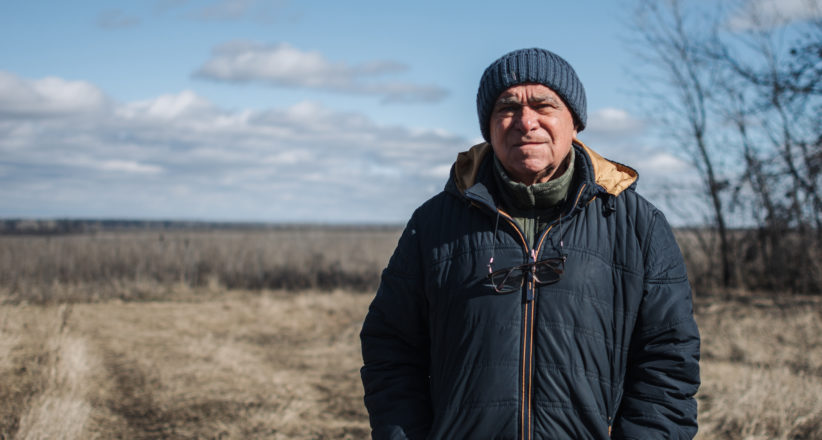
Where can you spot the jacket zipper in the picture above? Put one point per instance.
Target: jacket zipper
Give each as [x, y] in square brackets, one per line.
[528, 338]
[528, 328]
[528, 354]
[528, 315]
[527, 373]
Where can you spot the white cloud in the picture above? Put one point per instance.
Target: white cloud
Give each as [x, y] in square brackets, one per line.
[765, 14]
[181, 156]
[288, 158]
[441, 171]
[625, 138]
[68, 150]
[663, 164]
[47, 97]
[613, 132]
[283, 65]
[129, 166]
[185, 103]
[114, 165]
[612, 122]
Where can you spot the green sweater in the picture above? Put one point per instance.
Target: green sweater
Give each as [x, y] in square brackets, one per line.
[534, 206]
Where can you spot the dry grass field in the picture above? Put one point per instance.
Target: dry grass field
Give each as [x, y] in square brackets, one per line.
[161, 335]
[270, 366]
[761, 367]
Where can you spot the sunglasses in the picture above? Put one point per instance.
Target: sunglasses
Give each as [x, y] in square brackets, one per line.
[547, 271]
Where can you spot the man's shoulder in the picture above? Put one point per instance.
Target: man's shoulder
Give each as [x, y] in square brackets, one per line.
[446, 218]
[636, 204]
[443, 204]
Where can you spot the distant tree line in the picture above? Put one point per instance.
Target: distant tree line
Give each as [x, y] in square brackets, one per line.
[740, 96]
[81, 226]
[90, 226]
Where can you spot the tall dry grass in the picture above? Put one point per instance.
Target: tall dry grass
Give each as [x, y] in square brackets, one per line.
[245, 366]
[143, 265]
[761, 367]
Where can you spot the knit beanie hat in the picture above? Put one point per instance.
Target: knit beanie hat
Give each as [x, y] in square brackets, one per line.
[534, 65]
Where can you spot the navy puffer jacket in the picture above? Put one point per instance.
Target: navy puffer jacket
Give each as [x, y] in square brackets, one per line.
[610, 350]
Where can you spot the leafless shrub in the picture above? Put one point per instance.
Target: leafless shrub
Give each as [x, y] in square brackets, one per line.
[749, 247]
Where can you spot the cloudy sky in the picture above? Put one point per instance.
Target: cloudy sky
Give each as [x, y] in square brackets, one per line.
[276, 110]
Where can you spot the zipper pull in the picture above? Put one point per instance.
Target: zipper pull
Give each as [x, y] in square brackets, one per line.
[529, 290]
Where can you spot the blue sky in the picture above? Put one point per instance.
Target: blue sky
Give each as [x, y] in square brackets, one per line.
[279, 111]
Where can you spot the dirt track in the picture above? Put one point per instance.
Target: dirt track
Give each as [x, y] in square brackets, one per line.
[271, 366]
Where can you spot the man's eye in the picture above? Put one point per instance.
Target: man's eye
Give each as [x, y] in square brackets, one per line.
[508, 109]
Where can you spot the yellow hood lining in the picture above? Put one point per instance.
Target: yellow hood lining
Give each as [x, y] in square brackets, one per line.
[612, 176]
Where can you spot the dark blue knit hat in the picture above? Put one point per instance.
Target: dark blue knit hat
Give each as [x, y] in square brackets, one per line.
[530, 66]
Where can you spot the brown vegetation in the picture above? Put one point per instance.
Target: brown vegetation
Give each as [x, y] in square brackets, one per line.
[243, 366]
[136, 335]
[150, 264]
[761, 367]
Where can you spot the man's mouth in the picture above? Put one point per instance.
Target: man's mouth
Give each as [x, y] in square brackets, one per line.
[525, 142]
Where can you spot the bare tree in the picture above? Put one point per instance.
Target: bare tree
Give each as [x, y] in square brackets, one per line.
[744, 102]
[668, 46]
[772, 96]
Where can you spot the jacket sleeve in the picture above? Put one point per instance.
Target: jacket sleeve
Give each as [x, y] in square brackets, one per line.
[395, 348]
[663, 360]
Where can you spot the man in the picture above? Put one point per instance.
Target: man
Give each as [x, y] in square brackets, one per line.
[584, 328]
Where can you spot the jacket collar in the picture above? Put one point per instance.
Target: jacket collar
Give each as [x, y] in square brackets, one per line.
[470, 173]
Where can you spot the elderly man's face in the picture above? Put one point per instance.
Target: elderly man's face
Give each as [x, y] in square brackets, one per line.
[531, 132]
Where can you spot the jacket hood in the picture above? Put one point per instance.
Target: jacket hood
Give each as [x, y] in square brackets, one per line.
[612, 177]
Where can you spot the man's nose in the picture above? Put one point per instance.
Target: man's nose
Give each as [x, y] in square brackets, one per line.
[526, 119]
